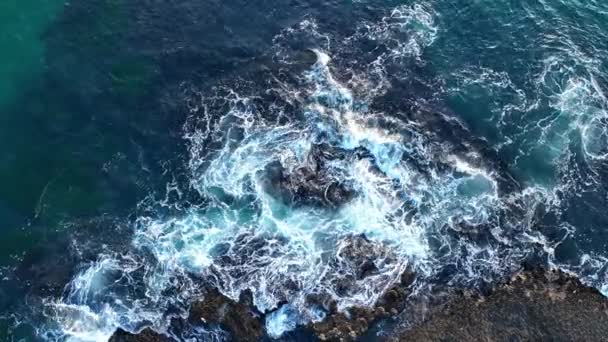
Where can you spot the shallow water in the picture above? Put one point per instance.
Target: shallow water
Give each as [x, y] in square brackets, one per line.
[310, 152]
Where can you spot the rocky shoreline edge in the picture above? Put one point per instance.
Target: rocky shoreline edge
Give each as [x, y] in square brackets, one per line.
[535, 304]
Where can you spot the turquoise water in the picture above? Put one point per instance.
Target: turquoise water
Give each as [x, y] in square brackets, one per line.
[154, 148]
[23, 63]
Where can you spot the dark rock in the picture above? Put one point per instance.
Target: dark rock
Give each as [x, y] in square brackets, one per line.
[533, 306]
[146, 335]
[339, 326]
[238, 318]
[314, 182]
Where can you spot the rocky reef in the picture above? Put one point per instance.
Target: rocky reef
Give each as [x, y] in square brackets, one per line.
[314, 182]
[237, 318]
[146, 335]
[534, 305]
[347, 326]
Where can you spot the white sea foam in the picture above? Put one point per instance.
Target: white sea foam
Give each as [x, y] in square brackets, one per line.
[407, 30]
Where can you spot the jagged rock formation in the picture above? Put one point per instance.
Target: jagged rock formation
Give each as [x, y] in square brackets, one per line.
[314, 181]
[534, 305]
[147, 335]
[339, 326]
[238, 318]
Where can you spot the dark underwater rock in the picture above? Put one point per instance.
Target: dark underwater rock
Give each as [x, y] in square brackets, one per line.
[39, 269]
[146, 335]
[533, 306]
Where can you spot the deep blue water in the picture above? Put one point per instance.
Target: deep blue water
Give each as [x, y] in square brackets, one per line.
[307, 151]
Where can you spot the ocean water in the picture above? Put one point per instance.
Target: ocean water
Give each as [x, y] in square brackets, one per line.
[310, 152]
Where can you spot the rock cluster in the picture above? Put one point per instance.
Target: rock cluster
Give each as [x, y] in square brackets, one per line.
[314, 181]
[239, 318]
[339, 326]
[146, 335]
[534, 305]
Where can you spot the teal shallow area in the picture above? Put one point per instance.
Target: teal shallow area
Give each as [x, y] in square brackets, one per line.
[72, 103]
[23, 64]
[22, 42]
[75, 120]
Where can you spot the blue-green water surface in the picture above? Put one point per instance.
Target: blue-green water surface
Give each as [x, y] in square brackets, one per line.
[150, 149]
